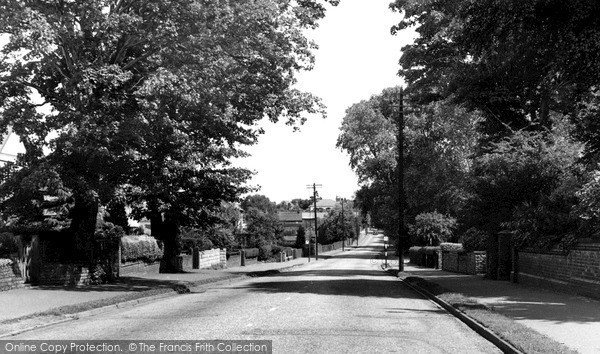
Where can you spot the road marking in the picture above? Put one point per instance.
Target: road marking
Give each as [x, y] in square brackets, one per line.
[272, 309]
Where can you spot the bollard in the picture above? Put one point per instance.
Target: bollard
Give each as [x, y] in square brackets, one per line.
[243, 258]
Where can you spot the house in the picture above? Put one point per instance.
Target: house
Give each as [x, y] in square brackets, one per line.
[291, 221]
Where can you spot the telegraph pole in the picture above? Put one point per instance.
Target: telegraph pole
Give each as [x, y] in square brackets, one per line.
[314, 188]
[400, 157]
[343, 225]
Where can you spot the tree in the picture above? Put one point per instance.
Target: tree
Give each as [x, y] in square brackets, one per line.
[155, 96]
[301, 204]
[259, 202]
[429, 229]
[336, 226]
[262, 228]
[300, 237]
[439, 139]
[527, 183]
[515, 61]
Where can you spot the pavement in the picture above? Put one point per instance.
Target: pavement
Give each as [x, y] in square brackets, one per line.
[569, 319]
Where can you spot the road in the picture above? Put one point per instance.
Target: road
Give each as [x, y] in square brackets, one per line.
[336, 305]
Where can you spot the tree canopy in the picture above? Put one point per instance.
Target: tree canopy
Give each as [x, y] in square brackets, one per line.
[514, 61]
[151, 97]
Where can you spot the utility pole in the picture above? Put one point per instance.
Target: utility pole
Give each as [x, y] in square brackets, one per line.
[400, 147]
[343, 225]
[314, 188]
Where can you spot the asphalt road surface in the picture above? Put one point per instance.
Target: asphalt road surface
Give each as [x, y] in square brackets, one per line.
[342, 304]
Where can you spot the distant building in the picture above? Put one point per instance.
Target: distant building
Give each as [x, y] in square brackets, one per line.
[291, 221]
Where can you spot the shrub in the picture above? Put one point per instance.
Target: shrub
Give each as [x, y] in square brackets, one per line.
[264, 252]
[432, 228]
[251, 252]
[275, 249]
[140, 248]
[194, 238]
[474, 240]
[8, 244]
[109, 231]
[300, 237]
[189, 243]
[452, 247]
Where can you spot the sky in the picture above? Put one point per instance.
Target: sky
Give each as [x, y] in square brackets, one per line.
[357, 58]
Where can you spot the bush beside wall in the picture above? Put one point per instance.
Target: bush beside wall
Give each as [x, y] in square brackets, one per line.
[140, 248]
[424, 256]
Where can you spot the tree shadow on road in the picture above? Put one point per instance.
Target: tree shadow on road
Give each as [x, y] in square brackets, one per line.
[383, 287]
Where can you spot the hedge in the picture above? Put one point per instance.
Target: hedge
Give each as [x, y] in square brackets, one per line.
[452, 247]
[140, 248]
[251, 252]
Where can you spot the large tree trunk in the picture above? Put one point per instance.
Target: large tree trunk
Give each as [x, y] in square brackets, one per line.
[170, 235]
[83, 223]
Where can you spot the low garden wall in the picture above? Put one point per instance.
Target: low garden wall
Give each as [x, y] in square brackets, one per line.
[456, 259]
[10, 275]
[127, 268]
[64, 274]
[576, 271]
[464, 262]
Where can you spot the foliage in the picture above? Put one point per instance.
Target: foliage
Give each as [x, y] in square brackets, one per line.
[262, 228]
[109, 231]
[300, 237]
[251, 252]
[140, 248]
[8, 244]
[154, 96]
[474, 240]
[439, 139]
[432, 228]
[335, 227]
[527, 182]
[300, 204]
[192, 238]
[515, 61]
[259, 202]
[588, 209]
[265, 252]
[452, 247]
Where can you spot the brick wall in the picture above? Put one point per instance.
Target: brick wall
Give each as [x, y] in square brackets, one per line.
[64, 274]
[10, 275]
[138, 267]
[207, 259]
[577, 271]
[464, 262]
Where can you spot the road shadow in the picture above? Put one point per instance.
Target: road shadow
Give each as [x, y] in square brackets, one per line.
[123, 284]
[341, 287]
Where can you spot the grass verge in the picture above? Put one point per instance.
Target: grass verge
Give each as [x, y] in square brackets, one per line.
[522, 337]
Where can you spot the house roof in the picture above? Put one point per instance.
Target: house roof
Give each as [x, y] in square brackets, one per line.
[326, 203]
[289, 216]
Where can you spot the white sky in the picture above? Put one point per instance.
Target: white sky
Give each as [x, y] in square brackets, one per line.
[357, 58]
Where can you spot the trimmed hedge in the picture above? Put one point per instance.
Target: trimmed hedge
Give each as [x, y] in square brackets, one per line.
[251, 252]
[424, 256]
[452, 247]
[140, 248]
